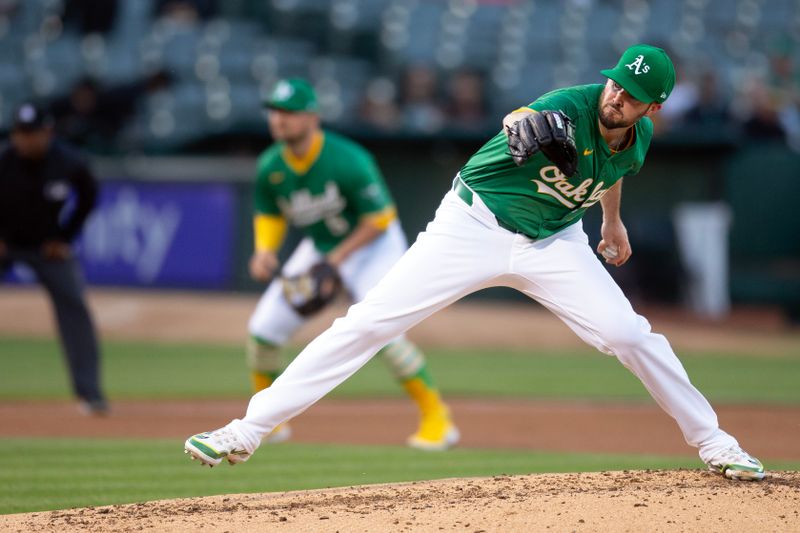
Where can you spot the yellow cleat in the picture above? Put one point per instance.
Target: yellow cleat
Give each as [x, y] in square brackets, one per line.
[436, 432]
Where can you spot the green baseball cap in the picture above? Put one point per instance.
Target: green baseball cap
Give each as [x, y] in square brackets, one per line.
[646, 72]
[293, 94]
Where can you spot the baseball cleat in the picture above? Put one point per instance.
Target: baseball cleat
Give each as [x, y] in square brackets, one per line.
[735, 463]
[436, 432]
[281, 433]
[97, 407]
[195, 457]
[211, 447]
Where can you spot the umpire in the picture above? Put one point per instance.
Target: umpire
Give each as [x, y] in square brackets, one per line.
[46, 193]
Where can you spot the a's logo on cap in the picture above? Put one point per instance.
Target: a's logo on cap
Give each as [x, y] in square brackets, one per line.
[283, 91]
[638, 66]
[27, 113]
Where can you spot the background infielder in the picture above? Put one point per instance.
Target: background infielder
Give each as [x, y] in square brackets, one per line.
[513, 218]
[331, 189]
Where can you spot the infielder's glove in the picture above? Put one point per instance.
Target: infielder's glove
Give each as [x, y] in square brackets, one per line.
[550, 132]
[311, 291]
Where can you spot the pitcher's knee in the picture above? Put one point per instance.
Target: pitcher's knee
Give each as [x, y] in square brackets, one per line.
[622, 334]
[369, 329]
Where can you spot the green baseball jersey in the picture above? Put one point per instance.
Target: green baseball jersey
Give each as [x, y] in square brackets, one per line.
[323, 194]
[536, 198]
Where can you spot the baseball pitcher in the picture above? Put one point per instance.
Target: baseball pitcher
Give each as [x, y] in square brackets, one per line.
[331, 189]
[513, 218]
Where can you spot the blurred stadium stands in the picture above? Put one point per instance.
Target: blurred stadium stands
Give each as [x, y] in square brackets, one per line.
[429, 80]
[224, 59]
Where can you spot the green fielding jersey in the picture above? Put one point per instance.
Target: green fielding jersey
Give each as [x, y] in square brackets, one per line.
[536, 198]
[327, 199]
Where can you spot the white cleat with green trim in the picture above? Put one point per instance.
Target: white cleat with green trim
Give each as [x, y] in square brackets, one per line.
[211, 447]
[735, 463]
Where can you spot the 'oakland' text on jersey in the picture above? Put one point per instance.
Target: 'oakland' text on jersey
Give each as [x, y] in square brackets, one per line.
[537, 199]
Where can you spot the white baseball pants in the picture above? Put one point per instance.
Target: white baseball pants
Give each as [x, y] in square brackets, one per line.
[464, 250]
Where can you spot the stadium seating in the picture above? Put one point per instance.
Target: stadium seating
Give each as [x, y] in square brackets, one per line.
[523, 48]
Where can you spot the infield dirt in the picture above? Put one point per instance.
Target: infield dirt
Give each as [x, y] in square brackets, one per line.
[605, 501]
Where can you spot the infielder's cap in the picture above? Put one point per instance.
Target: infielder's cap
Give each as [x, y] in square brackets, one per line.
[646, 72]
[293, 94]
[30, 117]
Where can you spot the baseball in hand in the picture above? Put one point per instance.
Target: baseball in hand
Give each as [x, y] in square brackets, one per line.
[610, 252]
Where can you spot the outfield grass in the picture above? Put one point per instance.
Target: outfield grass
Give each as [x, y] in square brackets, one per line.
[33, 368]
[64, 473]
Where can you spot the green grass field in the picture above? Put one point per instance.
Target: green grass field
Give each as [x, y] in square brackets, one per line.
[34, 369]
[42, 474]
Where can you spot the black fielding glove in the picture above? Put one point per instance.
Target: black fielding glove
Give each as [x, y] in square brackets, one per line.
[550, 132]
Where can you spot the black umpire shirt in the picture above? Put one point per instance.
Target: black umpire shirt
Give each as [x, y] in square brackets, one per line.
[46, 199]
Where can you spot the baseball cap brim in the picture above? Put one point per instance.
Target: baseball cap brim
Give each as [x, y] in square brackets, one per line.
[622, 77]
[291, 109]
[284, 107]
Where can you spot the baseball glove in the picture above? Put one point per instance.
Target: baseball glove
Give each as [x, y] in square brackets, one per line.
[311, 291]
[550, 132]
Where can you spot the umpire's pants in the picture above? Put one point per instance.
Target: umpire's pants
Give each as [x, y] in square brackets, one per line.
[63, 281]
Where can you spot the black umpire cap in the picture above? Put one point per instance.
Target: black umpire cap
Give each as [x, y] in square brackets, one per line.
[30, 117]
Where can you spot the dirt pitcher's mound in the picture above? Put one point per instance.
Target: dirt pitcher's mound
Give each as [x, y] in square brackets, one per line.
[606, 501]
